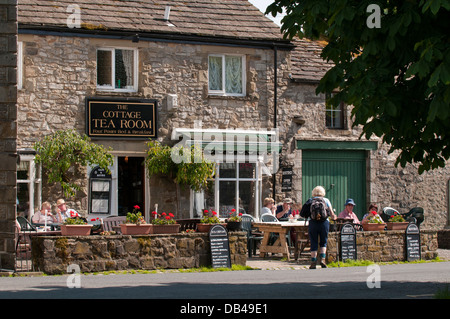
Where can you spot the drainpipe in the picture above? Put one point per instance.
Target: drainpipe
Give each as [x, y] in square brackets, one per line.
[275, 87]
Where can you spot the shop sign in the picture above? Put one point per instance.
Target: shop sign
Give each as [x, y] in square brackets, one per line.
[121, 118]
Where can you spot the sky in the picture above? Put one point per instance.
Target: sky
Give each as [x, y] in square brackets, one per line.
[262, 5]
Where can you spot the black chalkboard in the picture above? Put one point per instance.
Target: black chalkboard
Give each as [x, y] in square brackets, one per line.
[348, 242]
[412, 242]
[220, 247]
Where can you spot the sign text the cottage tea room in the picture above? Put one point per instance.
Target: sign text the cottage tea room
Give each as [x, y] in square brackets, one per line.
[121, 118]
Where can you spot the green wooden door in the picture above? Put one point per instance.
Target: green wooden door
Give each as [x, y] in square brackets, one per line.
[341, 173]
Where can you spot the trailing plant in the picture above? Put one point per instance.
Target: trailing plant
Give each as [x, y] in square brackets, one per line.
[65, 150]
[185, 165]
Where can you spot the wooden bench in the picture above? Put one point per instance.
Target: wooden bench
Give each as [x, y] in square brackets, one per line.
[112, 223]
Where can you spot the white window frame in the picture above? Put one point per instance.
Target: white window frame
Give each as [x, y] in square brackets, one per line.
[222, 92]
[34, 182]
[112, 88]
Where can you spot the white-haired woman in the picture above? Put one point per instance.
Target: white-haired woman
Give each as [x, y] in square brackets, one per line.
[318, 228]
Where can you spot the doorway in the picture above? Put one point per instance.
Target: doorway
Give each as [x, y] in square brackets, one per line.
[131, 184]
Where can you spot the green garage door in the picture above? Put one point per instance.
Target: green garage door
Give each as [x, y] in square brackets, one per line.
[341, 173]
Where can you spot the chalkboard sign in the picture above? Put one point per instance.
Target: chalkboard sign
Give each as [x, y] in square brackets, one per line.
[348, 242]
[286, 183]
[412, 242]
[220, 247]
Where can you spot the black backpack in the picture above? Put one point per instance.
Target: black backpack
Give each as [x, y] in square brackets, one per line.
[318, 209]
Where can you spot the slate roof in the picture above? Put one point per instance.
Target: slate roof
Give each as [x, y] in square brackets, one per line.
[306, 63]
[209, 18]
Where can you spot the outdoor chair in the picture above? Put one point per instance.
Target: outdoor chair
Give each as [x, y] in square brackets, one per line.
[252, 239]
[112, 223]
[23, 243]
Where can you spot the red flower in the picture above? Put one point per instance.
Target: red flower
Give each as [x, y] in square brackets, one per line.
[240, 214]
[233, 210]
[214, 213]
[154, 213]
[163, 214]
[167, 217]
[171, 215]
[373, 212]
[136, 207]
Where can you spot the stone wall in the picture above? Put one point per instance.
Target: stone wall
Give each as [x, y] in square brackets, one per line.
[53, 254]
[384, 246]
[8, 131]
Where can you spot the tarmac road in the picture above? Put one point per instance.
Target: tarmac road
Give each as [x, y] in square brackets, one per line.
[410, 281]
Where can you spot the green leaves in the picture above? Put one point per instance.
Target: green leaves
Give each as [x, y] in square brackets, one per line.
[67, 150]
[186, 165]
[397, 77]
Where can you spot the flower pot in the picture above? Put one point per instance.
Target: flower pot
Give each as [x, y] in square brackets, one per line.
[76, 230]
[133, 229]
[204, 228]
[165, 229]
[373, 226]
[397, 225]
[234, 226]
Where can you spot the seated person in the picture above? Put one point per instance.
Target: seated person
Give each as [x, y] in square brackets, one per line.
[373, 213]
[44, 215]
[269, 207]
[348, 213]
[284, 210]
[65, 212]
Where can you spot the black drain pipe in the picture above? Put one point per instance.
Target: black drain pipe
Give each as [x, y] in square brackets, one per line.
[275, 87]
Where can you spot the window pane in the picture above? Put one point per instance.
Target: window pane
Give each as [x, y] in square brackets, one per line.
[227, 197]
[124, 64]
[233, 75]
[246, 170]
[246, 198]
[104, 64]
[334, 116]
[215, 73]
[227, 170]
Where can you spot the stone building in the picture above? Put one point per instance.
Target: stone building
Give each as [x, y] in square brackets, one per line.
[127, 72]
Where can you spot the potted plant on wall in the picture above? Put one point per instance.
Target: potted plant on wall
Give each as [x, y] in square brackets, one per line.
[207, 221]
[397, 222]
[75, 226]
[164, 223]
[234, 222]
[135, 223]
[373, 223]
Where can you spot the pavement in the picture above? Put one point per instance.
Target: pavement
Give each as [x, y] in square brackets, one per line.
[278, 263]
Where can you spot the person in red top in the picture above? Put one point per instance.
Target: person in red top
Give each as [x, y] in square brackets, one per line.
[348, 211]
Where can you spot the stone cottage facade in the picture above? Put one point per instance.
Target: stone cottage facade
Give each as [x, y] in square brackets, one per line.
[174, 70]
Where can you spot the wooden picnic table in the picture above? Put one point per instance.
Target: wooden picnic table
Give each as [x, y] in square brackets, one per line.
[282, 229]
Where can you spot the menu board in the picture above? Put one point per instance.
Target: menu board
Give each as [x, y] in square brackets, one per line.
[412, 242]
[348, 242]
[286, 183]
[220, 247]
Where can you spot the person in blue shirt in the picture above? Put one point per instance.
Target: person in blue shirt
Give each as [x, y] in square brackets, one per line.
[284, 210]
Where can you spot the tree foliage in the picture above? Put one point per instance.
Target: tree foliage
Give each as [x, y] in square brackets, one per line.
[66, 149]
[185, 165]
[397, 76]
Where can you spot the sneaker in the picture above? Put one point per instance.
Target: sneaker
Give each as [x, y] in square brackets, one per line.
[323, 265]
[313, 265]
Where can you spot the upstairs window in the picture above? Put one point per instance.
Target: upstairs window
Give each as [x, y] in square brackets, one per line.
[226, 75]
[334, 116]
[117, 70]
